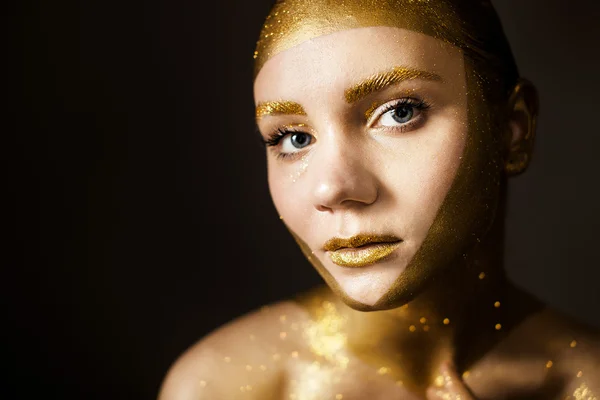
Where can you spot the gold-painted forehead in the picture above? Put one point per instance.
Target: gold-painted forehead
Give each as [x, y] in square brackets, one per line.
[292, 22]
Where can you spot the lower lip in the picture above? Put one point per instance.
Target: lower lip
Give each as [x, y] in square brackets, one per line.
[362, 256]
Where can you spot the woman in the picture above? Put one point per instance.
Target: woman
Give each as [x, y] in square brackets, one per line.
[391, 128]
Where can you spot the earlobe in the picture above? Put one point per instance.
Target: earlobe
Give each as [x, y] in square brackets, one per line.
[521, 126]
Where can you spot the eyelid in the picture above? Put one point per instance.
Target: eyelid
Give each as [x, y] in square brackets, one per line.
[417, 103]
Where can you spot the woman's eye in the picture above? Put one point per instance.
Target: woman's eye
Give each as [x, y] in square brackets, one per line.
[399, 115]
[295, 141]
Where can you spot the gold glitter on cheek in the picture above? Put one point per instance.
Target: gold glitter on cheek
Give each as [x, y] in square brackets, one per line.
[446, 321]
[282, 335]
[423, 320]
[227, 359]
[549, 364]
[301, 169]
[580, 374]
[466, 374]
[339, 396]
[482, 275]
[202, 383]
[412, 328]
[573, 343]
[498, 327]
[383, 371]
[497, 304]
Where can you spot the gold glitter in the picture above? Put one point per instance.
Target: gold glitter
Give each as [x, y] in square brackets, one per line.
[583, 392]
[446, 321]
[466, 374]
[580, 374]
[412, 328]
[202, 383]
[248, 367]
[243, 388]
[282, 318]
[426, 328]
[282, 335]
[227, 359]
[497, 304]
[573, 343]
[278, 107]
[423, 320]
[439, 381]
[482, 275]
[339, 396]
[248, 388]
[399, 383]
[498, 327]
[383, 370]
[549, 364]
[294, 354]
[381, 80]
[276, 357]
[361, 257]
[325, 336]
[314, 18]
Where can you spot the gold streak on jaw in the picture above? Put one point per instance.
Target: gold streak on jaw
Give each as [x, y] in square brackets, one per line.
[278, 107]
[382, 80]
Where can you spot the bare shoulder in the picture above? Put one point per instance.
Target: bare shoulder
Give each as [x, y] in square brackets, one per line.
[571, 351]
[244, 358]
[577, 348]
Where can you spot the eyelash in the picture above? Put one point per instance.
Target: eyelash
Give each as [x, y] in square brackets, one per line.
[275, 138]
[415, 103]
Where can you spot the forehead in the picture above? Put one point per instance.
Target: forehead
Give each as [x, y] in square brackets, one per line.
[329, 64]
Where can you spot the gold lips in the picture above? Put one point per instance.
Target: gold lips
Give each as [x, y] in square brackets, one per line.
[360, 250]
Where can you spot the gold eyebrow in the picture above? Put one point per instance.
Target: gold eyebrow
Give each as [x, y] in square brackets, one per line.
[278, 107]
[383, 79]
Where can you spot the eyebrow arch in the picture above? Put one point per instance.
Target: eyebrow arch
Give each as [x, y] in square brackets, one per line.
[381, 80]
[278, 107]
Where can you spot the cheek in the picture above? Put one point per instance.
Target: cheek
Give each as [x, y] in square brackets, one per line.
[423, 174]
[286, 192]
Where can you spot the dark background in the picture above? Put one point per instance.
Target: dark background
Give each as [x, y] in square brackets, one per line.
[138, 212]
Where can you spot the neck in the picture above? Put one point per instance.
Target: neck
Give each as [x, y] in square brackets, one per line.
[465, 311]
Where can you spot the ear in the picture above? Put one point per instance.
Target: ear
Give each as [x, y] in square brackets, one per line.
[523, 106]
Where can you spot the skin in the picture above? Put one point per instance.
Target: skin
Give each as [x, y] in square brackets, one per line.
[360, 177]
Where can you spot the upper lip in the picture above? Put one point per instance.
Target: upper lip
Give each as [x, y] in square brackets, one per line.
[358, 240]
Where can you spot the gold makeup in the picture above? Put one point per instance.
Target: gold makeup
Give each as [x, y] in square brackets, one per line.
[294, 21]
[382, 80]
[278, 107]
[360, 250]
[363, 256]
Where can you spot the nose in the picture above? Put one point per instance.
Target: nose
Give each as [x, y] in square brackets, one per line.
[342, 178]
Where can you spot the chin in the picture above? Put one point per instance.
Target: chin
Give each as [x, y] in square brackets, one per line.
[376, 288]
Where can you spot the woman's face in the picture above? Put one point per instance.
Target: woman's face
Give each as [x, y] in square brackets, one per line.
[366, 129]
